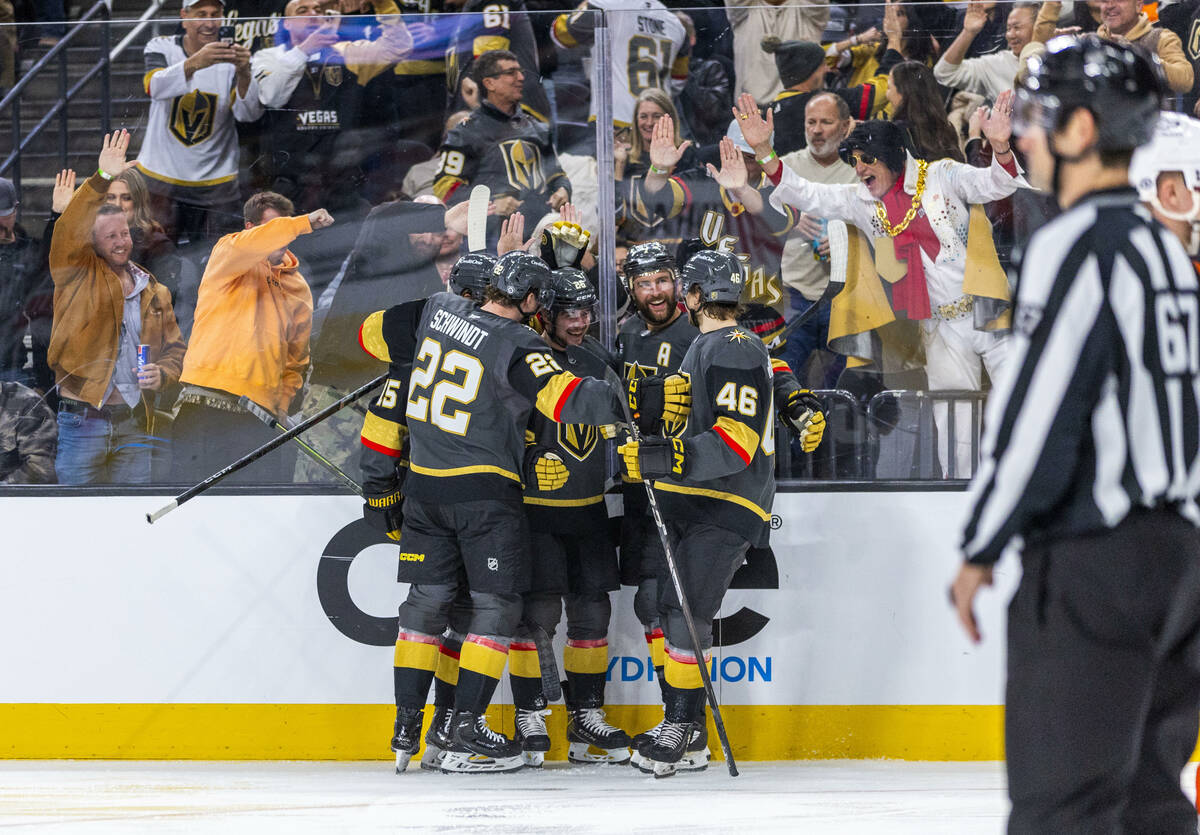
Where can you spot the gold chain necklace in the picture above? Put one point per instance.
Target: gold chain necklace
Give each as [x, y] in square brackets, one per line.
[881, 212]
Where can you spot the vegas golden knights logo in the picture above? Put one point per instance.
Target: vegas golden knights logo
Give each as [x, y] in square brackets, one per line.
[523, 161]
[577, 439]
[334, 75]
[192, 116]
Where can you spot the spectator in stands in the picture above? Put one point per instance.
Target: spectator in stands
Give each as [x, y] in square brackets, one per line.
[992, 74]
[708, 92]
[905, 35]
[1183, 18]
[991, 36]
[27, 436]
[198, 87]
[483, 26]
[932, 244]
[153, 247]
[250, 338]
[18, 274]
[802, 70]
[788, 20]
[304, 121]
[1166, 174]
[631, 150]
[917, 108]
[500, 147]
[8, 47]
[648, 44]
[1124, 20]
[420, 177]
[105, 306]
[806, 253]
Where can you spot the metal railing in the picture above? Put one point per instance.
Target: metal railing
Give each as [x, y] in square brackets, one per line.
[58, 53]
[899, 435]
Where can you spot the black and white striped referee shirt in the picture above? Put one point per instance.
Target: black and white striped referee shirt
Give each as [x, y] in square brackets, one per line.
[1097, 410]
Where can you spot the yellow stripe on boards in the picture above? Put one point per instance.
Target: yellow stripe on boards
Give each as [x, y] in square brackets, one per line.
[361, 732]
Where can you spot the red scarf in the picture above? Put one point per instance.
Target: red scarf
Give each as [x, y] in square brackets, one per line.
[910, 295]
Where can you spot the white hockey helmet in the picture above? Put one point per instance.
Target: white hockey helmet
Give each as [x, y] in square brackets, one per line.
[1175, 146]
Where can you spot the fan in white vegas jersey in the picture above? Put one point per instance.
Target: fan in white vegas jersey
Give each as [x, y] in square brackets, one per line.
[191, 139]
[649, 48]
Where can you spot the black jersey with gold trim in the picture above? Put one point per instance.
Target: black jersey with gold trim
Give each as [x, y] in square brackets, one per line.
[643, 352]
[729, 437]
[511, 155]
[579, 504]
[474, 380]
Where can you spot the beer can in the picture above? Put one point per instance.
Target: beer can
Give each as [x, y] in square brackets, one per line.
[143, 356]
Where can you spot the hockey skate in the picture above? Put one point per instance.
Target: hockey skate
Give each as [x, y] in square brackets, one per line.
[475, 748]
[662, 757]
[406, 738]
[695, 756]
[437, 739]
[531, 736]
[592, 740]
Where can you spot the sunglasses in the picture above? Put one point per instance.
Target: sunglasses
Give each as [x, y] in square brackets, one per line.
[853, 158]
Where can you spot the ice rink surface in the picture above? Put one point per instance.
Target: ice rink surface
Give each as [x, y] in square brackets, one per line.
[209, 797]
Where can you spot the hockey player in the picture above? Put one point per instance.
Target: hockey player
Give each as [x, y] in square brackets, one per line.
[574, 558]
[476, 375]
[652, 342]
[649, 49]
[1166, 173]
[715, 484]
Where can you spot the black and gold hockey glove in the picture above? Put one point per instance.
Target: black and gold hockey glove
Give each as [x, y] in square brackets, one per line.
[652, 458]
[655, 400]
[563, 244]
[801, 411]
[383, 512]
[544, 468]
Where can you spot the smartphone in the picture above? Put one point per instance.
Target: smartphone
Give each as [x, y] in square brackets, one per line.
[225, 34]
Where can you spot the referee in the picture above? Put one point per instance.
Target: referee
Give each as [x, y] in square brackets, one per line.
[1091, 461]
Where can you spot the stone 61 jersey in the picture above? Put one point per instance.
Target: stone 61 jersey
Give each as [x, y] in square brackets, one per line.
[649, 45]
[510, 155]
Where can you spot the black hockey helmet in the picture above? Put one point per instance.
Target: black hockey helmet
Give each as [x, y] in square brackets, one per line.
[573, 291]
[686, 249]
[717, 274]
[473, 273]
[648, 257]
[1120, 85]
[518, 274]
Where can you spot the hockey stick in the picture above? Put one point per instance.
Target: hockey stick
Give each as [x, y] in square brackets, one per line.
[269, 419]
[551, 684]
[274, 443]
[477, 218]
[838, 257]
[683, 603]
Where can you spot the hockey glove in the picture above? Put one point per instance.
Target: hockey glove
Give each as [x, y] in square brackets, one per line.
[653, 458]
[803, 416]
[657, 400]
[563, 244]
[544, 468]
[383, 512]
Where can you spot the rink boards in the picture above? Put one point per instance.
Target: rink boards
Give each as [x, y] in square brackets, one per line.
[260, 627]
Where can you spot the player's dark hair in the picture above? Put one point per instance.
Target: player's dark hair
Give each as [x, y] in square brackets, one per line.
[923, 114]
[485, 65]
[491, 294]
[722, 311]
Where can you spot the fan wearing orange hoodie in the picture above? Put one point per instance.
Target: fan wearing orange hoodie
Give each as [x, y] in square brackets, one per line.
[250, 338]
